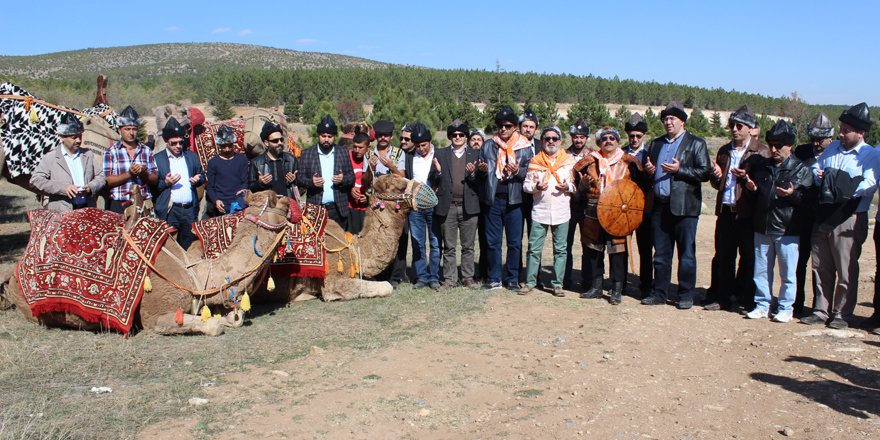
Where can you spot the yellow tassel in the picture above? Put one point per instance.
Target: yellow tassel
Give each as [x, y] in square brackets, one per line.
[357, 267]
[349, 237]
[245, 302]
[340, 267]
[206, 313]
[34, 118]
[270, 285]
[352, 271]
[302, 228]
[217, 315]
[326, 268]
[148, 286]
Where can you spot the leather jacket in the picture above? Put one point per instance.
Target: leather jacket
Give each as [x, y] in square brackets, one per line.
[489, 154]
[774, 215]
[260, 165]
[685, 196]
[754, 153]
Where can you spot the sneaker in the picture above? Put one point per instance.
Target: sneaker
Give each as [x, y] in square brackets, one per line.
[757, 314]
[492, 286]
[684, 304]
[557, 292]
[513, 287]
[813, 319]
[653, 301]
[435, 285]
[782, 317]
[838, 324]
[419, 285]
[524, 290]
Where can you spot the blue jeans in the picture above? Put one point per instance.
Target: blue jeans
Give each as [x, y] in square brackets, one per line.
[507, 219]
[421, 223]
[681, 232]
[767, 248]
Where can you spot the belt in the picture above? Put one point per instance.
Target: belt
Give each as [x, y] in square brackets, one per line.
[728, 208]
[182, 205]
[457, 203]
[661, 200]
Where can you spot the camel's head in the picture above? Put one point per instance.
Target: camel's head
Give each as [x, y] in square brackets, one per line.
[271, 209]
[407, 193]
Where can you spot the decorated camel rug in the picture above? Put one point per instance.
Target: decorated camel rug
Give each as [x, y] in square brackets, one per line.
[206, 146]
[216, 233]
[79, 262]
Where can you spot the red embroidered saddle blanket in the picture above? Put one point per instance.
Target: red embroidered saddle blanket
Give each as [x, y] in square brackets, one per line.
[79, 262]
[216, 233]
[206, 146]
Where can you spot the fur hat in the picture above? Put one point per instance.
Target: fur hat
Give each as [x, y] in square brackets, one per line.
[781, 132]
[477, 132]
[857, 116]
[420, 133]
[528, 115]
[607, 130]
[579, 127]
[674, 109]
[327, 126]
[506, 115]
[743, 115]
[457, 126]
[127, 118]
[820, 127]
[635, 123]
[269, 128]
[70, 125]
[383, 126]
[172, 129]
[225, 135]
[552, 128]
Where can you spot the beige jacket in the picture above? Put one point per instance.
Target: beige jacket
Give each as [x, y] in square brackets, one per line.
[52, 177]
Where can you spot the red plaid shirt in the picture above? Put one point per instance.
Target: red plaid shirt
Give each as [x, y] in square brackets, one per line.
[116, 161]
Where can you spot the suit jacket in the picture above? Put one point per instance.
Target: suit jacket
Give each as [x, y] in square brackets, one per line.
[685, 195]
[52, 176]
[471, 202]
[162, 194]
[745, 200]
[310, 165]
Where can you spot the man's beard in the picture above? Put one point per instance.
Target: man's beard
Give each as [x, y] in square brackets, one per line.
[551, 149]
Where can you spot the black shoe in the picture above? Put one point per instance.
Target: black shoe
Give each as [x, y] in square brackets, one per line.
[712, 307]
[435, 285]
[653, 301]
[872, 322]
[595, 291]
[813, 319]
[395, 284]
[684, 304]
[616, 293]
[838, 324]
[419, 285]
[512, 287]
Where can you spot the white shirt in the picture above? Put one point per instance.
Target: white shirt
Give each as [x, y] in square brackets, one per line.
[551, 206]
[860, 160]
[421, 165]
[181, 192]
[736, 155]
[74, 164]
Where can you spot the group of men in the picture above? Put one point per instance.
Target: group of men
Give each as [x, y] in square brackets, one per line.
[775, 201]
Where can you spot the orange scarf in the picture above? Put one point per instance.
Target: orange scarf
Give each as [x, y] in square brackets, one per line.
[543, 162]
[507, 152]
[603, 167]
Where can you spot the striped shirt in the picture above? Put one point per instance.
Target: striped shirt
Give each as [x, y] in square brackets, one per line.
[116, 161]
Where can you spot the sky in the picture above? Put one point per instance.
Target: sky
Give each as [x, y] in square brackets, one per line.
[824, 51]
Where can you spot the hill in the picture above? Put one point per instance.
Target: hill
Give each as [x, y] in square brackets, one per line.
[157, 60]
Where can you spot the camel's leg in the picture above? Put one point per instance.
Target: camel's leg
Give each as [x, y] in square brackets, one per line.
[165, 325]
[354, 288]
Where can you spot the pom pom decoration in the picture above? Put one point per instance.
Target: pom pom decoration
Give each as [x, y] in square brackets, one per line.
[270, 285]
[148, 285]
[245, 302]
[178, 316]
[206, 313]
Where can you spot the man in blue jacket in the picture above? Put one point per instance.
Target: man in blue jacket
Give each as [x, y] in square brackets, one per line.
[180, 173]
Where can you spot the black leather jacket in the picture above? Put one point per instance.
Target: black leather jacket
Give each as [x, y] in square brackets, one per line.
[773, 215]
[695, 167]
[260, 164]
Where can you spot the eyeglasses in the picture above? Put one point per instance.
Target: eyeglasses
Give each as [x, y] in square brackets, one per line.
[550, 138]
[405, 139]
[608, 138]
[175, 143]
[458, 135]
[776, 146]
[637, 136]
[506, 126]
[738, 126]
[276, 140]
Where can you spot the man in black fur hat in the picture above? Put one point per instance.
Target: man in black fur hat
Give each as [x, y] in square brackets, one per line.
[180, 174]
[275, 169]
[326, 174]
[636, 128]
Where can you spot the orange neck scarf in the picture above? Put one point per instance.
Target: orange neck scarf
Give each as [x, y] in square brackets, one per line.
[603, 166]
[543, 162]
[507, 152]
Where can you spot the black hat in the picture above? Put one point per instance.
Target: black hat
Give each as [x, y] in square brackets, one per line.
[674, 109]
[269, 128]
[528, 115]
[328, 126]
[820, 127]
[420, 133]
[70, 125]
[457, 126]
[383, 126]
[172, 129]
[781, 132]
[743, 115]
[225, 135]
[506, 114]
[579, 127]
[635, 123]
[128, 117]
[857, 116]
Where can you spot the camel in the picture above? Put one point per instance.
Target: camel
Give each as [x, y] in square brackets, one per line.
[176, 275]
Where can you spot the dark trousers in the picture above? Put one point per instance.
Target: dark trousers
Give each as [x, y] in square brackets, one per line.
[876, 313]
[483, 263]
[805, 244]
[356, 219]
[182, 219]
[117, 206]
[617, 262]
[729, 282]
[505, 218]
[678, 232]
[396, 272]
[645, 243]
[334, 214]
[576, 222]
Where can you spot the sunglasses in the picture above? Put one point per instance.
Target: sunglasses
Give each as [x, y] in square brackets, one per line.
[405, 139]
[637, 136]
[738, 126]
[276, 141]
[458, 135]
[608, 138]
[776, 147]
[175, 143]
[506, 126]
[550, 138]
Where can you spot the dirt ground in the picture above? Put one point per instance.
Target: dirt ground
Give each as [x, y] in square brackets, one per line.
[545, 367]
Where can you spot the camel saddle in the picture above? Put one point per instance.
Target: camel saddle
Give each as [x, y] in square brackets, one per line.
[621, 207]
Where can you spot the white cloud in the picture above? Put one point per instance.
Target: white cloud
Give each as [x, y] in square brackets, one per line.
[172, 29]
[244, 32]
[221, 30]
[306, 41]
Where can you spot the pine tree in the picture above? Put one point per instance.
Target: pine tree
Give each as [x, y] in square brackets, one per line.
[715, 125]
[268, 98]
[698, 124]
[292, 109]
[621, 116]
[222, 108]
